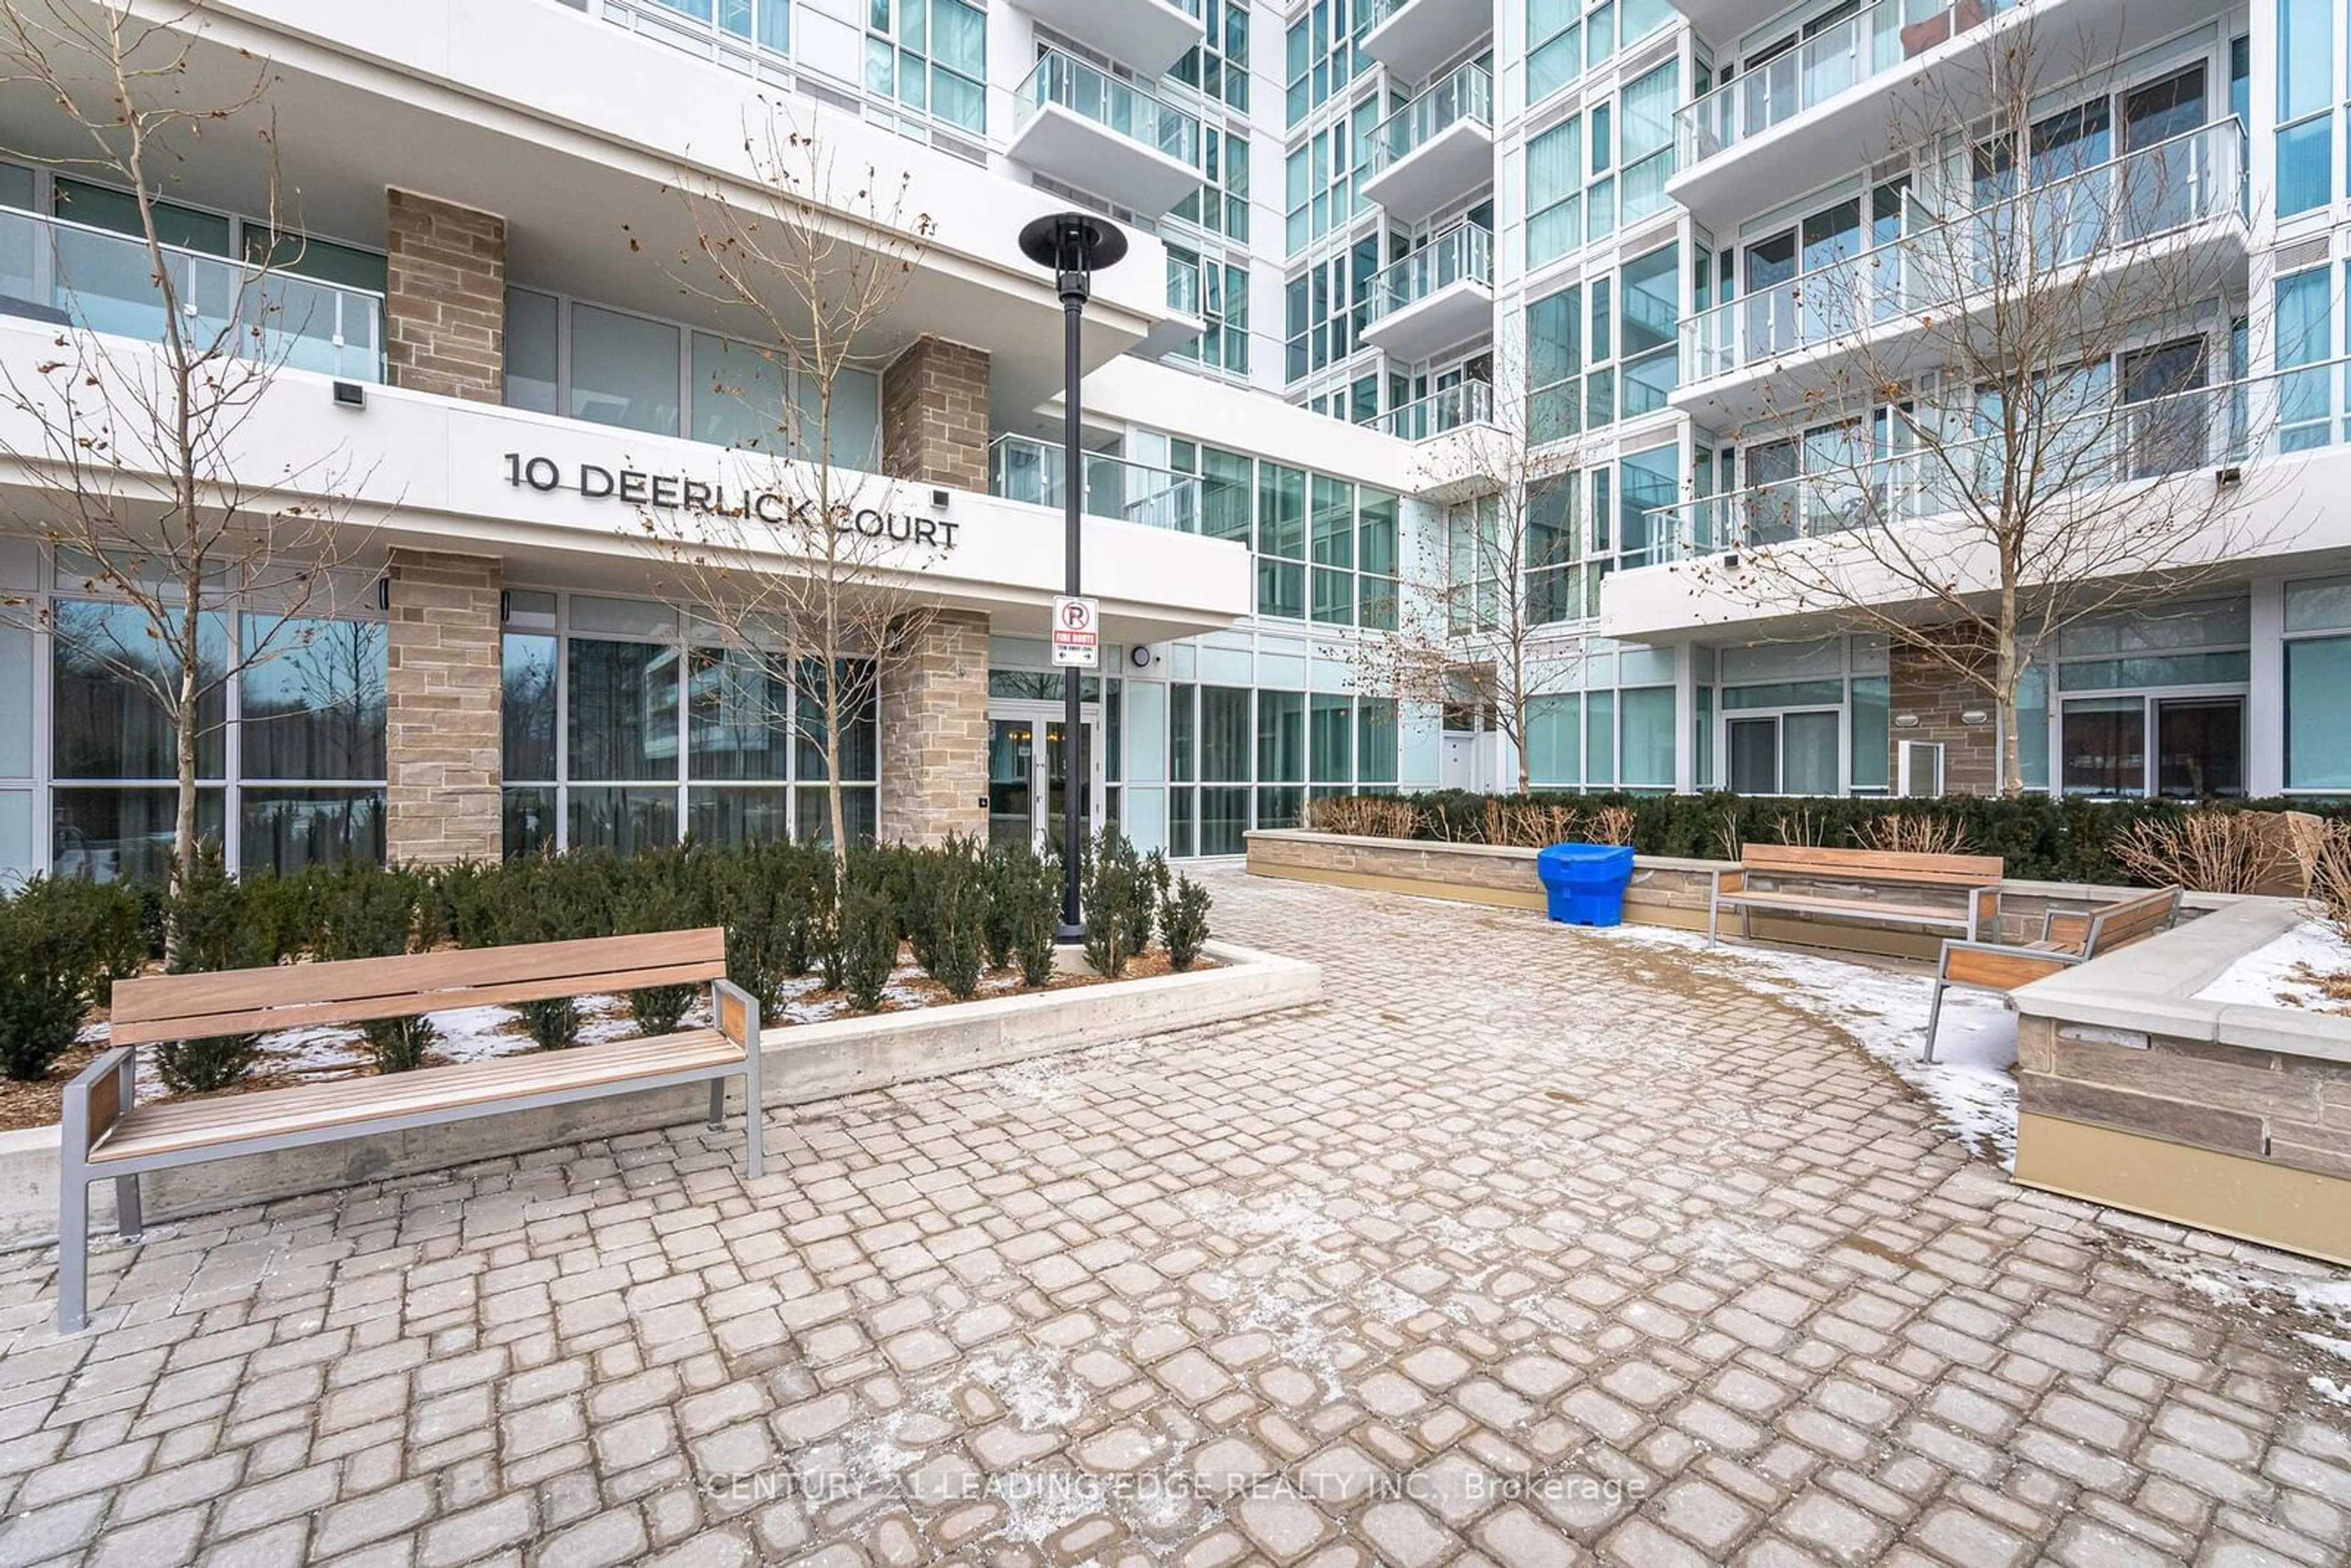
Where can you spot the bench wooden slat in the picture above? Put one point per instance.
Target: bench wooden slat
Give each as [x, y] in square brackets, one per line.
[198, 1025]
[1910, 912]
[554, 969]
[233, 1118]
[1872, 864]
[2001, 970]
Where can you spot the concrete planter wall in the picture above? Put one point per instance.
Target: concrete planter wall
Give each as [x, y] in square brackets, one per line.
[2233, 1118]
[1666, 890]
[803, 1063]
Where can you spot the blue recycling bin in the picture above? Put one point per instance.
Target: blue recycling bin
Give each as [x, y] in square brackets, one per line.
[1584, 885]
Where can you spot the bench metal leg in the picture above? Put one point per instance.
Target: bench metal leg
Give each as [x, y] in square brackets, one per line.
[1745, 922]
[128, 1222]
[755, 1108]
[73, 1248]
[1934, 1017]
[717, 1102]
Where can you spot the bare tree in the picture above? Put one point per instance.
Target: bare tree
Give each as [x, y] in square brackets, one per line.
[2021, 407]
[138, 426]
[809, 577]
[1495, 634]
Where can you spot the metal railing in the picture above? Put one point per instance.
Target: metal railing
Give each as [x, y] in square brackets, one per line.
[1467, 94]
[1471, 403]
[1022, 469]
[1808, 75]
[70, 273]
[2079, 454]
[1107, 100]
[2194, 178]
[1462, 253]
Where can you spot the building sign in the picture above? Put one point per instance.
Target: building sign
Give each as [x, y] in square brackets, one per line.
[1077, 640]
[679, 493]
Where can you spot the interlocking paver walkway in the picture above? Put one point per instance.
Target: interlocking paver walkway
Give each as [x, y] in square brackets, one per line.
[1528, 1247]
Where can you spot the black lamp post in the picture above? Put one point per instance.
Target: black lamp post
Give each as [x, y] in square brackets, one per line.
[1076, 245]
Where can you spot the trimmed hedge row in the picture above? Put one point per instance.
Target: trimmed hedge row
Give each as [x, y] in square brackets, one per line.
[788, 911]
[2041, 839]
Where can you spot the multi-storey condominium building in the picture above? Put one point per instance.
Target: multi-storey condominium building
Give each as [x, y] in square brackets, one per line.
[1684, 299]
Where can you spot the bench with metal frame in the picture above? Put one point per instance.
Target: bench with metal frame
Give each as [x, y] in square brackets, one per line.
[1979, 877]
[2068, 937]
[105, 1132]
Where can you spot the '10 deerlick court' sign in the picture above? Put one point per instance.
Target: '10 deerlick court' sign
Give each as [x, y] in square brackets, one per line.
[678, 493]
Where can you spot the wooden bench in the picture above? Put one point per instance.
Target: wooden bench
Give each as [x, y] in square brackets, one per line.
[105, 1132]
[1977, 876]
[2068, 937]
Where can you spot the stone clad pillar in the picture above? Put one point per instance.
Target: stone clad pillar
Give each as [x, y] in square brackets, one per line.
[446, 298]
[934, 733]
[934, 415]
[442, 689]
[1918, 683]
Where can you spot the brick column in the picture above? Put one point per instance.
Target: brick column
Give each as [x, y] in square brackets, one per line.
[446, 298]
[442, 694]
[934, 415]
[1923, 684]
[934, 732]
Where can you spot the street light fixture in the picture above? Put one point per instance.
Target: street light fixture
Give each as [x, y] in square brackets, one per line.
[1074, 246]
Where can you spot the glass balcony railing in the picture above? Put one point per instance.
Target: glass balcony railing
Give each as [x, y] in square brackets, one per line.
[1021, 469]
[1808, 74]
[1471, 403]
[1462, 253]
[2085, 449]
[1467, 94]
[71, 274]
[2069, 218]
[1107, 100]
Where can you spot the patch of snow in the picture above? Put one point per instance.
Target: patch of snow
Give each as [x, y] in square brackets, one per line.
[2280, 973]
[476, 1034]
[1969, 1082]
[2327, 1342]
[2327, 1388]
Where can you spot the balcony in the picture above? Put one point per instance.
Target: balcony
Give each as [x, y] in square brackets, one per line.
[1469, 404]
[1413, 37]
[2101, 444]
[1021, 469]
[1435, 150]
[71, 274]
[1149, 35]
[1893, 310]
[1440, 295]
[1843, 97]
[1101, 133]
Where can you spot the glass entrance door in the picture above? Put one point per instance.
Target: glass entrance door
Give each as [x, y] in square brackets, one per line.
[1028, 776]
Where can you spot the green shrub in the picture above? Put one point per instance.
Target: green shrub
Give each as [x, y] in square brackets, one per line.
[551, 898]
[1183, 922]
[957, 914]
[101, 925]
[654, 892]
[1116, 903]
[869, 928]
[206, 913]
[373, 912]
[1024, 910]
[50, 970]
[201, 1066]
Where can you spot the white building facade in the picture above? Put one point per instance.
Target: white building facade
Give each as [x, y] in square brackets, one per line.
[1361, 228]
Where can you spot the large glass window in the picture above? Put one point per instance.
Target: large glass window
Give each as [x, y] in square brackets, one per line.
[1219, 65]
[1282, 541]
[636, 703]
[623, 370]
[1646, 759]
[2305, 105]
[307, 781]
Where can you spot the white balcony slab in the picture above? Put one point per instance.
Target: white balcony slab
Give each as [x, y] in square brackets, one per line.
[1086, 153]
[1448, 166]
[1438, 319]
[1418, 36]
[1149, 35]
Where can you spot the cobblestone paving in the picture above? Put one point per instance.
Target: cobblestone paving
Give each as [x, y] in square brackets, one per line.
[1523, 1249]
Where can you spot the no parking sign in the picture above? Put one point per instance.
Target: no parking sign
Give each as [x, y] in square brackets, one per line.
[1076, 639]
